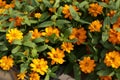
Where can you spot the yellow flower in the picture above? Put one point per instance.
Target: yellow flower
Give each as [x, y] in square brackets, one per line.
[21, 76]
[67, 46]
[66, 11]
[95, 9]
[79, 34]
[37, 15]
[39, 65]
[34, 76]
[50, 30]
[56, 55]
[87, 65]
[6, 63]
[95, 26]
[105, 78]
[112, 59]
[14, 34]
[2, 11]
[36, 34]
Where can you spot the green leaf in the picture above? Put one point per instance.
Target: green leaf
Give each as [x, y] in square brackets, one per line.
[3, 48]
[47, 3]
[106, 23]
[38, 40]
[17, 42]
[23, 67]
[74, 14]
[83, 3]
[34, 52]
[76, 71]
[67, 32]
[114, 19]
[29, 44]
[42, 48]
[44, 17]
[105, 72]
[47, 77]
[17, 4]
[54, 68]
[26, 21]
[45, 24]
[16, 49]
[117, 4]
[57, 3]
[105, 36]
[27, 37]
[53, 75]
[83, 21]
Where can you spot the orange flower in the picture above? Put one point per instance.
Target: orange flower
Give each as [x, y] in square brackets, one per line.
[105, 78]
[95, 9]
[112, 59]
[79, 34]
[66, 11]
[6, 63]
[52, 10]
[18, 21]
[95, 26]
[111, 13]
[50, 30]
[67, 46]
[36, 34]
[7, 6]
[87, 65]
[2, 3]
[56, 55]
[34, 76]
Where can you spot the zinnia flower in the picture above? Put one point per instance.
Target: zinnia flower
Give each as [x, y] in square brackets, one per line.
[79, 34]
[34, 76]
[21, 76]
[95, 9]
[87, 65]
[50, 30]
[95, 26]
[36, 34]
[66, 11]
[6, 63]
[67, 46]
[111, 13]
[56, 55]
[37, 15]
[105, 78]
[14, 34]
[106, 1]
[112, 59]
[39, 65]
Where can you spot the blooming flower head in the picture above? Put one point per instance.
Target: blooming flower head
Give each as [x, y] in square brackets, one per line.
[87, 65]
[51, 30]
[2, 3]
[6, 63]
[66, 11]
[18, 21]
[36, 34]
[39, 65]
[67, 46]
[112, 59]
[56, 55]
[111, 13]
[34, 76]
[79, 34]
[37, 15]
[2, 11]
[95, 9]
[95, 26]
[105, 78]
[14, 34]
[21, 76]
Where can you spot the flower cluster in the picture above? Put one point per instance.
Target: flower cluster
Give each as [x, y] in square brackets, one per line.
[41, 37]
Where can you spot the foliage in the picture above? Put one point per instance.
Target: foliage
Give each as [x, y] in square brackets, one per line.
[41, 36]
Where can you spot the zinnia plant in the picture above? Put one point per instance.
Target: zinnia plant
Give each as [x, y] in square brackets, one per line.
[45, 38]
